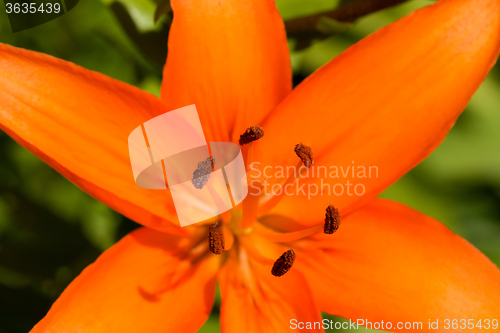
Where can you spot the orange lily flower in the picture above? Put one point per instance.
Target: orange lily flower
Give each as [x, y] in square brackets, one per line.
[387, 101]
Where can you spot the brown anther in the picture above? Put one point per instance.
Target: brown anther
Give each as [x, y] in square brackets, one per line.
[284, 263]
[215, 238]
[305, 153]
[332, 220]
[202, 174]
[251, 134]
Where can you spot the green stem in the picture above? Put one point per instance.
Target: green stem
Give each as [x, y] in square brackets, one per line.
[345, 13]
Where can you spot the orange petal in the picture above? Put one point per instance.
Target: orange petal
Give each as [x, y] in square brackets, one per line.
[78, 122]
[253, 300]
[387, 101]
[142, 284]
[231, 59]
[388, 262]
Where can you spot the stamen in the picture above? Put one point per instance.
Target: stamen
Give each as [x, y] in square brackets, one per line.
[268, 202]
[332, 220]
[202, 174]
[251, 134]
[216, 239]
[305, 154]
[284, 263]
[285, 237]
[250, 205]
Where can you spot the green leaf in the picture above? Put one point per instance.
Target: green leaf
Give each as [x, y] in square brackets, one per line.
[162, 8]
[100, 224]
[142, 13]
[290, 9]
[330, 26]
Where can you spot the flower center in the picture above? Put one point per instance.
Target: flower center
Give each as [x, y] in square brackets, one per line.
[247, 235]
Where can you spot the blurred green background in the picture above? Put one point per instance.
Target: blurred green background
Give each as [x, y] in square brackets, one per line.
[50, 230]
